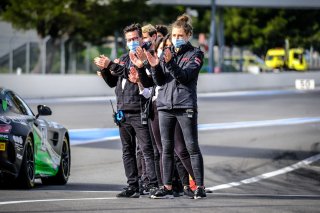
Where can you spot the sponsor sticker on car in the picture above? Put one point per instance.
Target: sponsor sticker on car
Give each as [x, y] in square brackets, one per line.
[2, 146]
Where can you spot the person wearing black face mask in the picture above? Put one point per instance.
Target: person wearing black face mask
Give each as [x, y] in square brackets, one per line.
[130, 104]
[149, 35]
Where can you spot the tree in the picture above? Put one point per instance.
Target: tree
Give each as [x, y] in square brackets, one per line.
[77, 20]
[262, 29]
[54, 18]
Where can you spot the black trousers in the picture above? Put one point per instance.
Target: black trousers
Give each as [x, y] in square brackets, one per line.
[189, 126]
[183, 165]
[129, 129]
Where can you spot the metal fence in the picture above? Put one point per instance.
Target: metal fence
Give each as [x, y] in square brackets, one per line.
[25, 54]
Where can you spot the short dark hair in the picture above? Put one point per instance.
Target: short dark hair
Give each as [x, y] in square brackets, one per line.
[133, 27]
[162, 29]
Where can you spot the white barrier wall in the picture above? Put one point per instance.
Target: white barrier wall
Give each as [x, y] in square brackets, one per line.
[245, 81]
[51, 86]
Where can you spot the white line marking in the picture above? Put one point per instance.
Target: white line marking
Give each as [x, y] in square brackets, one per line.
[56, 200]
[258, 178]
[284, 170]
[267, 195]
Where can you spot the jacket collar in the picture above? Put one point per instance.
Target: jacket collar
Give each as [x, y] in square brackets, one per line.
[184, 48]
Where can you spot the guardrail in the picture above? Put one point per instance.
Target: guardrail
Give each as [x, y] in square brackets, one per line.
[54, 86]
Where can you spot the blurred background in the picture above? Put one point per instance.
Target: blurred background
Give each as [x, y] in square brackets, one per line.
[63, 36]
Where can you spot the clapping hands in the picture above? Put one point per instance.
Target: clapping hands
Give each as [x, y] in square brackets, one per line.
[133, 75]
[102, 61]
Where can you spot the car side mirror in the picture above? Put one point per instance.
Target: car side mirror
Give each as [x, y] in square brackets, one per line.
[43, 110]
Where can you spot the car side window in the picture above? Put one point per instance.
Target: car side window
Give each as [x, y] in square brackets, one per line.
[18, 105]
[10, 104]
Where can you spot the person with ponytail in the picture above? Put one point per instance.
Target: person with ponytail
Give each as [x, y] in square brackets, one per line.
[176, 72]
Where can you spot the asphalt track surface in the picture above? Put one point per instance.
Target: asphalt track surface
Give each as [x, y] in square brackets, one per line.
[261, 153]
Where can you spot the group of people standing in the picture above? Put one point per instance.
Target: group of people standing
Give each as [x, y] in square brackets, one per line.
[156, 91]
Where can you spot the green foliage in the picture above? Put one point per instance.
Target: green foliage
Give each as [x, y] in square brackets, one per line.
[202, 22]
[54, 17]
[93, 20]
[163, 14]
[88, 20]
[261, 29]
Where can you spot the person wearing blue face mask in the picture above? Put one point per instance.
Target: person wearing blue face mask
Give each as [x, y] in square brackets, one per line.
[176, 72]
[132, 105]
[178, 42]
[182, 158]
[133, 45]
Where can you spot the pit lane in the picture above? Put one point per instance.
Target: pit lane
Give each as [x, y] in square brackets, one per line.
[231, 155]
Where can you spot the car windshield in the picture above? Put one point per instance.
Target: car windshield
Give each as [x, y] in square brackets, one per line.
[269, 58]
[12, 104]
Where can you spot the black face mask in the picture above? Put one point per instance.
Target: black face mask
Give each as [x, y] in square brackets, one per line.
[146, 45]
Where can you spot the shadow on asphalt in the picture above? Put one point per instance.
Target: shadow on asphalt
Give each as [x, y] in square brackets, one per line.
[241, 152]
[81, 187]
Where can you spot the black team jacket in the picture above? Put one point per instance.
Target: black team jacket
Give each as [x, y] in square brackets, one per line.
[178, 79]
[128, 99]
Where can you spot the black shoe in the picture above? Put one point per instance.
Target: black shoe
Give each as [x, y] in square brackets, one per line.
[163, 193]
[141, 187]
[200, 193]
[177, 192]
[144, 190]
[152, 190]
[187, 191]
[129, 192]
[148, 190]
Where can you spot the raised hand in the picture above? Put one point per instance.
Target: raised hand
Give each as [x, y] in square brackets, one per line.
[152, 59]
[133, 75]
[102, 61]
[167, 55]
[140, 54]
[135, 60]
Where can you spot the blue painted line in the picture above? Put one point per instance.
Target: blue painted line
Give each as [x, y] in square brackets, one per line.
[93, 134]
[82, 136]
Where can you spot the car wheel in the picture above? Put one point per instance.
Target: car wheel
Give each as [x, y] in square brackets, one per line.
[63, 174]
[27, 170]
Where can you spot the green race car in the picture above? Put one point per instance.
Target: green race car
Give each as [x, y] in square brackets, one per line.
[30, 146]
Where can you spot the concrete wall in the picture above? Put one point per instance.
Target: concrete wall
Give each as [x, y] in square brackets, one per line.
[51, 86]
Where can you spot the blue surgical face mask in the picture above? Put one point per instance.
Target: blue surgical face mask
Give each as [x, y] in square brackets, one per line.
[177, 43]
[132, 45]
